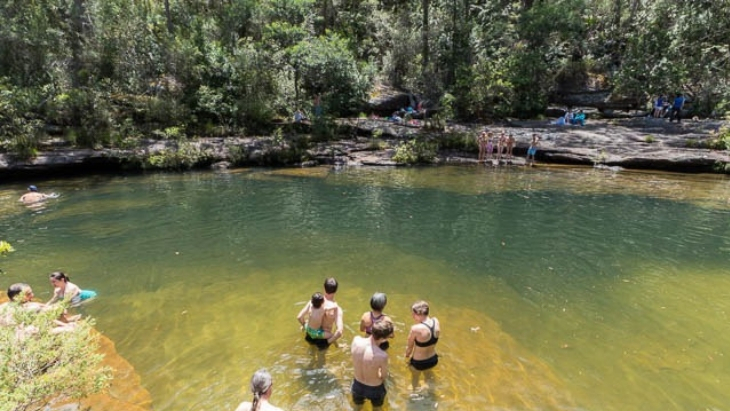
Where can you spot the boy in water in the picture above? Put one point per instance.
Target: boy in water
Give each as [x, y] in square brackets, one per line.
[311, 318]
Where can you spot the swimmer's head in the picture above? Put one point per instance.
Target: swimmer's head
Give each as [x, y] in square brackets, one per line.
[59, 276]
[32, 188]
[330, 285]
[20, 289]
[420, 308]
[317, 300]
[382, 330]
[378, 301]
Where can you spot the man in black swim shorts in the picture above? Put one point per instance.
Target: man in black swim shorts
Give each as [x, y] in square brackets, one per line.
[370, 363]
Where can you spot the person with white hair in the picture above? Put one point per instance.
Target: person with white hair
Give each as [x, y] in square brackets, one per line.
[261, 388]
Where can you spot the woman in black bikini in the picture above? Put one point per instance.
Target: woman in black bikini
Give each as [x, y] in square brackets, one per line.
[424, 335]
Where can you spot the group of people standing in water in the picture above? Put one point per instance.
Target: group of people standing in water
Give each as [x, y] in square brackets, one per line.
[20, 295]
[321, 319]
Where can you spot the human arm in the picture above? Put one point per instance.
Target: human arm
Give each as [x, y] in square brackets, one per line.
[383, 369]
[340, 325]
[56, 293]
[301, 317]
[364, 320]
[410, 345]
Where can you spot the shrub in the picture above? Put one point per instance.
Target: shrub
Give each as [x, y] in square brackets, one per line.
[185, 157]
[40, 366]
[721, 139]
[415, 152]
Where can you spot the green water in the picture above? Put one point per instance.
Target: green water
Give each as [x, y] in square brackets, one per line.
[556, 288]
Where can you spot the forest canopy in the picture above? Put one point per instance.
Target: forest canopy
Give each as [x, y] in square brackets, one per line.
[103, 71]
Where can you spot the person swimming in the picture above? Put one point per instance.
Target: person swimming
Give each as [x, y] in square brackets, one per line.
[33, 196]
[65, 290]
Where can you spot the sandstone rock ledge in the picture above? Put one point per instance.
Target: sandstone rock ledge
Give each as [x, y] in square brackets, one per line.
[638, 143]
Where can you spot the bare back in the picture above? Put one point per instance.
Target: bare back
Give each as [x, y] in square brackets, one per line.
[370, 363]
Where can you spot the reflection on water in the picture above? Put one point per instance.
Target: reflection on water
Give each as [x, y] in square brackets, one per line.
[557, 288]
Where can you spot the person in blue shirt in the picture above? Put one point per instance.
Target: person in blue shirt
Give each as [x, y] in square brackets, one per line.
[677, 108]
[659, 107]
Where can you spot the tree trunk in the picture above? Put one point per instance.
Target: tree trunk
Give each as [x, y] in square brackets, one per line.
[76, 36]
[168, 16]
[425, 4]
[617, 7]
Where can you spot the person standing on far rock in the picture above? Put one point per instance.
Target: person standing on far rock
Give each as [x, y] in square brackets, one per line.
[677, 108]
[532, 150]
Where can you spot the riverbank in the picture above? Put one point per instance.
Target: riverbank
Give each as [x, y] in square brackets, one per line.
[636, 143]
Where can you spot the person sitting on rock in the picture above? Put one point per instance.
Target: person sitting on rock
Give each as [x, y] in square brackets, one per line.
[579, 118]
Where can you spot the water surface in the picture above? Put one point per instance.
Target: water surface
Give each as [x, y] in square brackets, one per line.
[557, 288]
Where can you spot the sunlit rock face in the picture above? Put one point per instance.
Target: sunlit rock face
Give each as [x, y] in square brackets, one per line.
[125, 392]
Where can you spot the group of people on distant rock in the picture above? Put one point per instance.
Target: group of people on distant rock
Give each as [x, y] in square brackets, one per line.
[504, 144]
[321, 319]
[577, 118]
[488, 142]
[663, 108]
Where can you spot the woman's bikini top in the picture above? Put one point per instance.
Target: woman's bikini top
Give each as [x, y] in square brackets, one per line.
[433, 340]
[373, 320]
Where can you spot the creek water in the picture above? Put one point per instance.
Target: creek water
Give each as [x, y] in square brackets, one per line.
[557, 288]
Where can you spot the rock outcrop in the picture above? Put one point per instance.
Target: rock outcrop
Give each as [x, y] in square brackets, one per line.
[638, 143]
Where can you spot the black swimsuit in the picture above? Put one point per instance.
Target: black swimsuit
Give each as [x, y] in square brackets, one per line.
[431, 362]
[433, 340]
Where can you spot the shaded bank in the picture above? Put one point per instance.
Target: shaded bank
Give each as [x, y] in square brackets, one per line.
[638, 143]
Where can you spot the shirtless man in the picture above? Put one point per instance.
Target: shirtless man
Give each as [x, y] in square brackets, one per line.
[370, 364]
[33, 196]
[510, 146]
[20, 295]
[332, 318]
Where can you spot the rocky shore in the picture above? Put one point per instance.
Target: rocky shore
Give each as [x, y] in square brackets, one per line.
[635, 143]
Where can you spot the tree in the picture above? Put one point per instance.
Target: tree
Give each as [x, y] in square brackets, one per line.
[39, 366]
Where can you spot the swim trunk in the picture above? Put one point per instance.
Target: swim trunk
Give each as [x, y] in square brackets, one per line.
[531, 151]
[321, 343]
[428, 363]
[314, 333]
[362, 392]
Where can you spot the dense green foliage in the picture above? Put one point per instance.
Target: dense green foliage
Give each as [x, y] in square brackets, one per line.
[101, 72]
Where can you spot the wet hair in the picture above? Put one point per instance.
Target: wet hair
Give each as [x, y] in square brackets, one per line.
[378, 301]
[420, 307]
[382, 329]
[260, 384]
[317, 300]
[59, 276]
[330, 285]
[17, 289]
